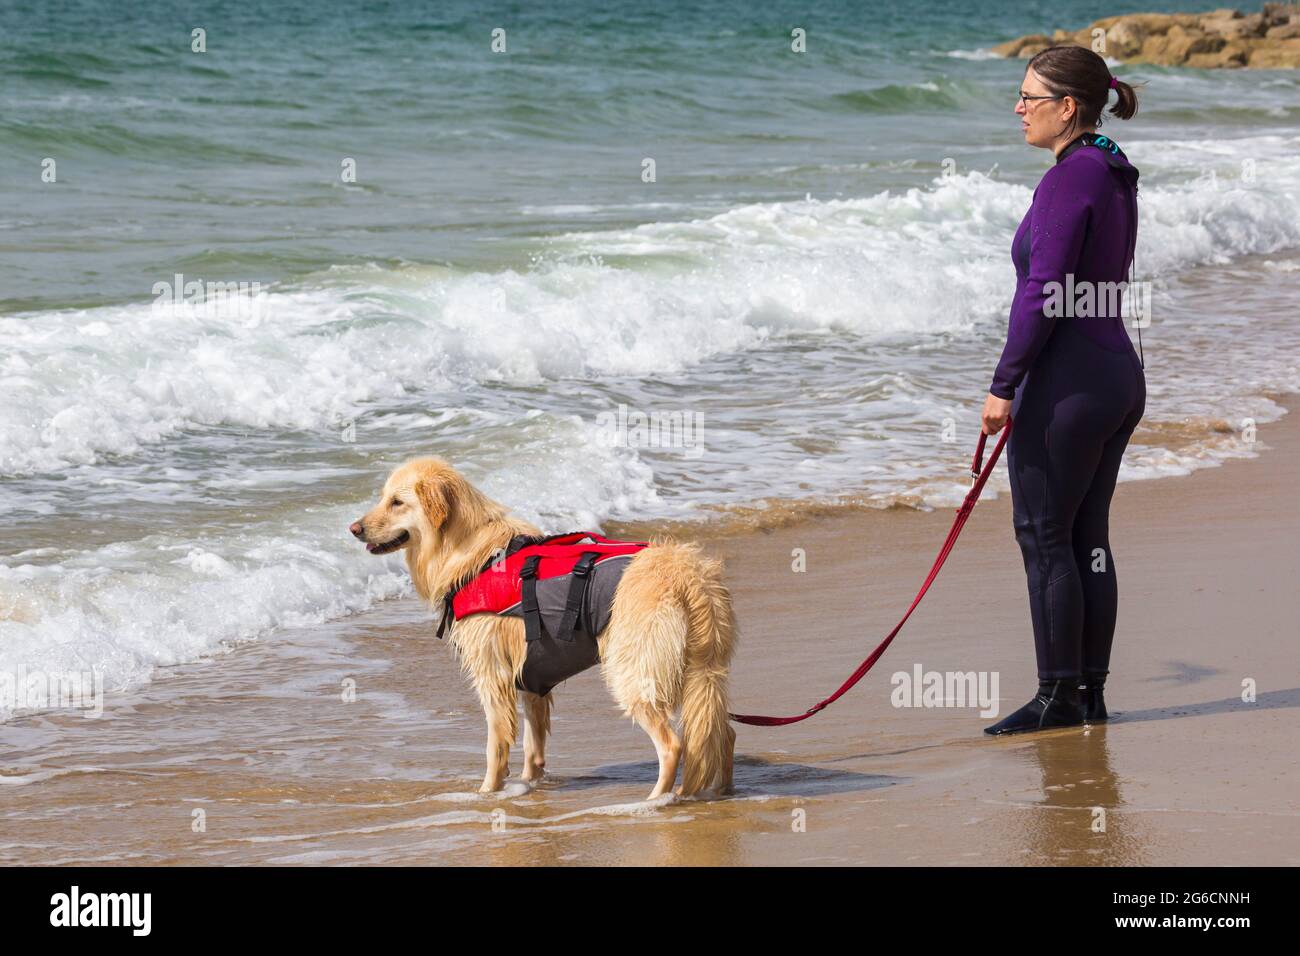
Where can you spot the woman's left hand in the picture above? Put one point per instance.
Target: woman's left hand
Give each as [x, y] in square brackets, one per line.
[995, 415]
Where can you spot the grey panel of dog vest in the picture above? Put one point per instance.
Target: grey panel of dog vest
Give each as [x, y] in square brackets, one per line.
[550, 660]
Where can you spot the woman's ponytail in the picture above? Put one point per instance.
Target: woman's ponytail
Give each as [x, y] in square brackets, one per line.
[1126, 106]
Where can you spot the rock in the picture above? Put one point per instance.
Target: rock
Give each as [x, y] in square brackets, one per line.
[1153, 50]
[1013, 47]
[1221, 39]
[1276, 14]
[1124, 40]
[1186, 41]
[1148, 22]
[1233, 54]
[1083, 37]
[1275, 55]
[1251, 26]
[1236, 53]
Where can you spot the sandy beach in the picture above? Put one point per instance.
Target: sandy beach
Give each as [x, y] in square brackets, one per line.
[1187, 772]
[254, 757]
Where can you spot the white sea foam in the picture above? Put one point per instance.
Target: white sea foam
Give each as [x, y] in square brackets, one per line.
[79, 385]
[125, 608]
[84, 394]
[977, 54]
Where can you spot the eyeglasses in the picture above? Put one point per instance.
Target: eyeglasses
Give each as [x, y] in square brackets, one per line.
[1025, 98]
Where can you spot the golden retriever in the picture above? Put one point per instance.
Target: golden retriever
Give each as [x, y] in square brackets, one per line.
[667, 647]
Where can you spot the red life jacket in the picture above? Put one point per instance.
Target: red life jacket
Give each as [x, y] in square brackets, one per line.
[562, 586]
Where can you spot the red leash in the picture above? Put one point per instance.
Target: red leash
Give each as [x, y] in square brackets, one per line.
[980, 476]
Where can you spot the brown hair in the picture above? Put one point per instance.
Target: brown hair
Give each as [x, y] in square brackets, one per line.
[1076, 71]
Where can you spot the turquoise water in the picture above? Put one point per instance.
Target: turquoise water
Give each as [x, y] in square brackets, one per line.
[819, 273]
[228, 162]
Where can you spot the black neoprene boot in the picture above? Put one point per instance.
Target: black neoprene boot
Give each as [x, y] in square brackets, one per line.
[1094, 705]
[1057, 704]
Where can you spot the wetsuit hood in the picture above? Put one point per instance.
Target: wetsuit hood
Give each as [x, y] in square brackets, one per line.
[1109, 148]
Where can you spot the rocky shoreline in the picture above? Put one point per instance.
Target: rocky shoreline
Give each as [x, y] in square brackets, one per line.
[1221, 39]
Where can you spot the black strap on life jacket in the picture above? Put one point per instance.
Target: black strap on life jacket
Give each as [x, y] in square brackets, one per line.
[447, 613]
[528, 604]
[573, 601]
[581, 573]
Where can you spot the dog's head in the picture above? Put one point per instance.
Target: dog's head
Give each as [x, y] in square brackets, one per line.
[418, 500]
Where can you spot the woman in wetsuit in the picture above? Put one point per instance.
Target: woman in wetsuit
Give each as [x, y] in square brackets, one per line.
[1070, 380]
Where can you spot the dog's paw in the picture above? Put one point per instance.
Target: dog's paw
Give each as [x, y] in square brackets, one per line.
[653, 802]
[509, 789]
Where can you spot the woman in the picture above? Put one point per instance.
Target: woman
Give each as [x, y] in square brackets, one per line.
[1070, 380]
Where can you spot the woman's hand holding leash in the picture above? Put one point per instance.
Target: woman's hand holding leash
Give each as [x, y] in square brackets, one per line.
[995, 414]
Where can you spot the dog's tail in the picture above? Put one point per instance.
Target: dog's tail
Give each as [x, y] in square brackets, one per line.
[707, 737]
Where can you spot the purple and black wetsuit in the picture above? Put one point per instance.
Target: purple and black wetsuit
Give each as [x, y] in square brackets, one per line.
[1078, 391]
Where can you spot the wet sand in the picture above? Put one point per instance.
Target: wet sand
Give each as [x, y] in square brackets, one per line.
[255, 757]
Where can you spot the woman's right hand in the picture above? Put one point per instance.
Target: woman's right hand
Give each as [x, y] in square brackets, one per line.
[995, 414]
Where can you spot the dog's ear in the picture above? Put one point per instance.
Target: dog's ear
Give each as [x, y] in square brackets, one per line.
[431, 490]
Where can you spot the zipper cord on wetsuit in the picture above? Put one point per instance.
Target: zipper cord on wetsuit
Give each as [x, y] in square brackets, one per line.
[1133, 296]
[1142, 359]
